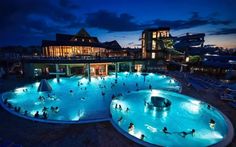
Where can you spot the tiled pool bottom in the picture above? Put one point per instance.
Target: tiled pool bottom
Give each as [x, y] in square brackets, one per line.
[82, 102]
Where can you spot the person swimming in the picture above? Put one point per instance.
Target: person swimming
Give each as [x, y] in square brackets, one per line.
[142, 137]
[212, 124]
[45, 116]
[184, 134]
[120, 119]
[131, 127]
[193, 132]
[45, 109]
[56, 109]
[208, 107]
[36, 115]
[120, 107]
[113, 96]
[164, 130]
[41, 98]
[150, 87]
[127, 109]
[116, 106]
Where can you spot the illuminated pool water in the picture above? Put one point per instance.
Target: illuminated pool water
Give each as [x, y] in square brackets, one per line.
[184, 114]
[80, 101]
[84, 102]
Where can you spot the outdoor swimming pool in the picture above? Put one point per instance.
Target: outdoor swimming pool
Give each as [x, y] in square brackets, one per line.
[77, 99]
[183, 115]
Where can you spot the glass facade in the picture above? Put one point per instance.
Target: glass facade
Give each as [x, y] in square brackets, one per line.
[71, 51]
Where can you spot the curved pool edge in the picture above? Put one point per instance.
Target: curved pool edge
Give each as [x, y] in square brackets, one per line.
[48, 120]
[130, 137]
[230, 134]
[227, 139]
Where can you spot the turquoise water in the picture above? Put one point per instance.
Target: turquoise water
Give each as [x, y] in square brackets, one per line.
[184, 114]
[86, 101]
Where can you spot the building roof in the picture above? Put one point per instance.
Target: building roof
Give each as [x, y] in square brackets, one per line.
[82, 33]
[157, 29]
[112, 45]
[82, 38]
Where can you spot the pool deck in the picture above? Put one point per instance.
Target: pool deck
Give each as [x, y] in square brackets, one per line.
[24, 132]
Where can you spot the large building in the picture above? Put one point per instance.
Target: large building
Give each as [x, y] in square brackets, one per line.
[154, 42]
[81, 54]
[81, 45]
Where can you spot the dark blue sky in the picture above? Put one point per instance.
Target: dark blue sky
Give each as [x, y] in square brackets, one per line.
[27, 22]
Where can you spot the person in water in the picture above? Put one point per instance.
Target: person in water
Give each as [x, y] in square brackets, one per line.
[212, 124]
[184, 134]
[45, 109]
[150, 87]
[120, 107]
[208, 107]
[131, 127]
[113, 96]
[120, 119]
[116, 106]
[36, 115]
[164, 130]
[193, 132]
[45, 116]
[142, 137]
[127, 109]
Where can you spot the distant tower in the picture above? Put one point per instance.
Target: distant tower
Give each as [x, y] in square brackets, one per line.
[152, 42]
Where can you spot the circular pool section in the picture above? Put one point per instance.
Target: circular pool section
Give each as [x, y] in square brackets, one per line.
[75, 100]
[186, 122]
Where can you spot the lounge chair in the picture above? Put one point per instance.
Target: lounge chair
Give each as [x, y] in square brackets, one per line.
[228, 98]
[232, 104]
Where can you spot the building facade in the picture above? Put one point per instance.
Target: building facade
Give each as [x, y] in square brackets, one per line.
[81, 44]
[154, 41]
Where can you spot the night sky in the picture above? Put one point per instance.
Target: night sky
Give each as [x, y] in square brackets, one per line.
[28, 22]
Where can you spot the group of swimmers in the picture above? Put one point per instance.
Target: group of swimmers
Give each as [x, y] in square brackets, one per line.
[50, 97]
[25, 90]
[120, 108]
[44, 116]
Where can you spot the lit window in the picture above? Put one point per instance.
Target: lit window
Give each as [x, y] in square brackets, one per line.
[153, 44]
[154, 34]
[153, 55]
